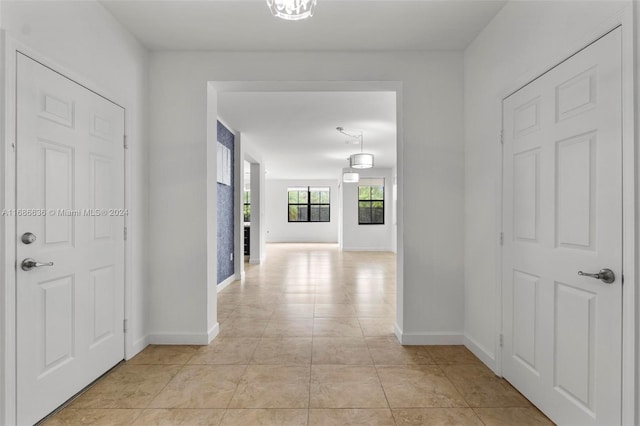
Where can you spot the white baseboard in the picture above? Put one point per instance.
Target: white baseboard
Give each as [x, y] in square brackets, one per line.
[481, 352]
[433, 338]
[213, 332]
[225, 283]
[137, 347]
[254, 261]
[179, 338]
[397, 332]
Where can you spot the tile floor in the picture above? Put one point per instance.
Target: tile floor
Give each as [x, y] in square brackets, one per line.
[306, 339]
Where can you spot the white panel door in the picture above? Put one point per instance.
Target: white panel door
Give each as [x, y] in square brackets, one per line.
[70, 196]
[562, 214]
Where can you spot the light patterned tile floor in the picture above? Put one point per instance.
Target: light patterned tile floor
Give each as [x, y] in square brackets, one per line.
[306, 339]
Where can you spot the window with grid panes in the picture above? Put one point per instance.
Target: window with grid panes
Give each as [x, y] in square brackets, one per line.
[371, 201]
[309, 204]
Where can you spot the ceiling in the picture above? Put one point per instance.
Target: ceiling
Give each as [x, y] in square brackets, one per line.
[295, 132]
[247, 25]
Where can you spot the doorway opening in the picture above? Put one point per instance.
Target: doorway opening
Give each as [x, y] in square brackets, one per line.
[220, 91]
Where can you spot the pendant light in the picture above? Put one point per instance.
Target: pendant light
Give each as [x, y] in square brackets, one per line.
[350, 176]
[361, 161]
[292, 10]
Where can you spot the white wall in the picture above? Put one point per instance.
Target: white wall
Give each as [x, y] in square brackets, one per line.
[367, 237]
[280, 230]
[432, 169]
[636, 346]
[83, 39]
[258, 216]
[525, 37]
[394, 215]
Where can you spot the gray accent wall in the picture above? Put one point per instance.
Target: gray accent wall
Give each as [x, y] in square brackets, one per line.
[226, 211]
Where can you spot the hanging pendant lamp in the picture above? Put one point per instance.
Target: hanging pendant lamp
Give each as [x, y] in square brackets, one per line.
[351, 177]
[362, 160]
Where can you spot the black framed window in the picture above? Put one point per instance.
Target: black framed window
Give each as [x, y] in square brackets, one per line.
[371, 202]
[247, 206]
[309, 204]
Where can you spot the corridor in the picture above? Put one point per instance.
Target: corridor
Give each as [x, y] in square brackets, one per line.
[306, 338]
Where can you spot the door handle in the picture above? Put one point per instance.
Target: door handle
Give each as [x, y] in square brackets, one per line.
[28, 264]
[605, 275]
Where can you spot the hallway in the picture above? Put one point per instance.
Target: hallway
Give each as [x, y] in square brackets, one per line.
[306, 338]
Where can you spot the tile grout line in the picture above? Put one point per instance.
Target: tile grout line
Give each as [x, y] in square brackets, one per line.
[243, 373]
[235, 391]
[375, 366]
[146, 407]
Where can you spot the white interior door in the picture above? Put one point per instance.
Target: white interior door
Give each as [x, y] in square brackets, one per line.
[70, 196]
[563, 214]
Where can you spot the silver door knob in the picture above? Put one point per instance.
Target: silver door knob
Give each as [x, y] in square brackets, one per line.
[28, 238]
[29, 264]
[605, 275]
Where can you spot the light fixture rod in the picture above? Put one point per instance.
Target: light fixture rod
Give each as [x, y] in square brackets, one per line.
[355, 134]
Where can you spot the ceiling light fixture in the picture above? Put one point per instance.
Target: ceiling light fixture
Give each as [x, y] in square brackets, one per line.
[361, 160]
[350, 176]
[292, 10]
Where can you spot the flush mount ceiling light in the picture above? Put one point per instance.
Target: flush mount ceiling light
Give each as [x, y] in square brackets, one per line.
[361, 160]
[292, 10]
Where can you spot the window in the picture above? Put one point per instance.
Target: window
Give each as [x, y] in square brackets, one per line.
[308, 204]
[371, 201]
[247, 206]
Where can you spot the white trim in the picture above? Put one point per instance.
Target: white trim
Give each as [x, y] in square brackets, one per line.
[435, 338]
[631, 263]
[399, 241]
[181, 338]
[497, 319]
[8, 278]
[397, 331]
[630, 226]
[8, 256]
[138, 346]
[254, 261]
[160, 338]
[238, 201]
[226, 283]
[482, 353]
[213, 332]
